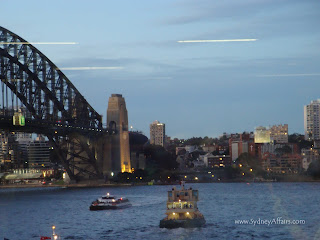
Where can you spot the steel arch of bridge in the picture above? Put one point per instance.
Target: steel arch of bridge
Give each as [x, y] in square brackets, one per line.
[45, 91]
[49, 96]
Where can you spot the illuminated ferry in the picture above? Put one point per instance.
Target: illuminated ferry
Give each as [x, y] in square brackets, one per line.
[110, 202]
[182, 209]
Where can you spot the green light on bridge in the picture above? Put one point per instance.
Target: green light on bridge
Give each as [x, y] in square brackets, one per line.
[19, 120]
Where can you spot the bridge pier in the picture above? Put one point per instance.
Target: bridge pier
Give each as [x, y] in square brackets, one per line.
[117, 121]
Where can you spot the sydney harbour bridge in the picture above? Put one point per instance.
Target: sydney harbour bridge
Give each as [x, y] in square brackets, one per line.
[53, 107]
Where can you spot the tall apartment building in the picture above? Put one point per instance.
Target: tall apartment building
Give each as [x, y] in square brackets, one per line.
[23, 140]
[4, 147]
[279, 133]
[38, 153]
[10, 151]
[312, 120]
[157, 133]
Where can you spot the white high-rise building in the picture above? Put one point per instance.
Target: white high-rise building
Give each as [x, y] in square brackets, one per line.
[312, 120]
[157, 133]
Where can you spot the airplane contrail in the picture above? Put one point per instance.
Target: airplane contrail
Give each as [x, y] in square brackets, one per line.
[290, 75]
[221, 40]
[39, 43]
[89, 68]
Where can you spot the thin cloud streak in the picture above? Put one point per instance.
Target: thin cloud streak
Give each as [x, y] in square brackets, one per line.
[39, 43]
[221, 40]
[89, 68]
[290, 75]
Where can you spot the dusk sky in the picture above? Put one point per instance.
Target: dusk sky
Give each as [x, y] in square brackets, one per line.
[196, 89]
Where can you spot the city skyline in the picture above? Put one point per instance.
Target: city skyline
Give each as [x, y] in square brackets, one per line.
[195, 88]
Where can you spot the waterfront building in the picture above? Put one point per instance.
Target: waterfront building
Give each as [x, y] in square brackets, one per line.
[312, 120]
[4, 147]
[38, 153]
[309, 155]
[212, 161]
[10, 153]
[157, 133]
[23, 140]
[284, 164]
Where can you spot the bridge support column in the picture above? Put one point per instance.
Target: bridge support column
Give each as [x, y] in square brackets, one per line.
[117, 120]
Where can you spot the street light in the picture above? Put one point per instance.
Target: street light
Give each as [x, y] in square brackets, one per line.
[53, 233]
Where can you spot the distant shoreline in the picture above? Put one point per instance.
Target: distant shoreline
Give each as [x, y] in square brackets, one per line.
[93, 185]
[75, 185]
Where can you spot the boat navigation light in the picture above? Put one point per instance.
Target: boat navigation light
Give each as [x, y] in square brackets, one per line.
[108, 194]
[53, 227]
[55, 237]
[187, 213]
[121, 199]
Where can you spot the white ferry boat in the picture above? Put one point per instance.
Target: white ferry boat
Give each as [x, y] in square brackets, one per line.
[110, 202]
[182, 209]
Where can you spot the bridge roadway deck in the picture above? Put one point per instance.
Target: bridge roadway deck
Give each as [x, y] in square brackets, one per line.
[52, 128]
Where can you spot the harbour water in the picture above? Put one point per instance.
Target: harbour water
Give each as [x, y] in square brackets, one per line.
[29, 213]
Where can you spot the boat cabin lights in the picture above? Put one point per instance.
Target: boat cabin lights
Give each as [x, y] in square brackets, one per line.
[174, 213]
[187, 213]
[107, 194]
